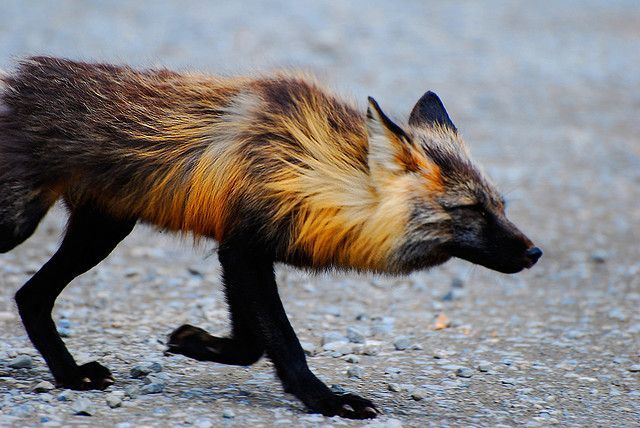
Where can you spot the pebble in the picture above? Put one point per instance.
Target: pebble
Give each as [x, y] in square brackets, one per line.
[419, 394]
[355, 372]
[599, 256]
[228, 414]
[394, 387]
[131, 391]
[83, 407]
[114, 399]
[155, 387]
[484, 366]
[332, 337]
[634, 368]
[464, 372]
[202, 423]
[142, 369]
[309, 348]
[351, 358]
[44, 386]
[21, 362]
[402, 343]
[66, 395]
[393, 370]
[355, 335]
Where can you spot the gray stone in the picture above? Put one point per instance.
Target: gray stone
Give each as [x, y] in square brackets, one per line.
[635, 368]
[419, 394]
[82, 406]
[394, 387]
[142, 369]
[355, 335]
[464, 372]
[114, 399]
[44, 386]
[351, 358]
[309, 348]
[21, 362]
[66, 395]
[402, 343]
[484, 366]
[332, 337]
[228, 413]
[599, 256]
[152, 388]
[203, 422]
[355, 372]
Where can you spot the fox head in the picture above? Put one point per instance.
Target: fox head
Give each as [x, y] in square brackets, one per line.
[454, 210]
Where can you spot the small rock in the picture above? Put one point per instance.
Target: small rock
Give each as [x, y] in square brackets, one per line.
[152, 388]
[599, 256]
[402, 343]
[484, 366]
[131, 391]
[393, 370]
[82, 406]
[309, 348]
[114, 399]
[331, 337]
[337, 349]
[370, 350]
[442, 321]
[617, 314]
[464, 372]
[66, 395]
[21, 362]
[355, 372]
[419, 394]
[64, 332]
[394, 387]
[634, 368]
[202, 423]
[143, 369]
[156, 378]
[355, 335]
[228, 414]
[43, 386]
[351, 358]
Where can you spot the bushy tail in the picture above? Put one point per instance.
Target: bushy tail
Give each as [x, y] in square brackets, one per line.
[24, 198]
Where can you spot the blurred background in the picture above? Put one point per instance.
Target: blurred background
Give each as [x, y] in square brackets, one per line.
[546, 95]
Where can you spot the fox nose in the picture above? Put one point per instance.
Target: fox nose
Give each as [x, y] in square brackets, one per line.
[533, 254]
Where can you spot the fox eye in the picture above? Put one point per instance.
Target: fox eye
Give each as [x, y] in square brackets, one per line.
[477, 208]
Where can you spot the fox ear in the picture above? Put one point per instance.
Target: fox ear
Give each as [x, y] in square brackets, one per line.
[429, 110]
[388, 143]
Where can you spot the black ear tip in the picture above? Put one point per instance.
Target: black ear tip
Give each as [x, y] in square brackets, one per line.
[431, 96]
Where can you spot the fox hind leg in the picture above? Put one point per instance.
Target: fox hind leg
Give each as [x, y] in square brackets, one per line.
[21, 209]
[91, 235]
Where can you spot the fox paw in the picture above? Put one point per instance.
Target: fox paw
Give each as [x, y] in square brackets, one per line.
[88, 376]
[348, 406]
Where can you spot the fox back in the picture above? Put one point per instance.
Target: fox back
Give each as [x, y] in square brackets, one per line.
[310, 177]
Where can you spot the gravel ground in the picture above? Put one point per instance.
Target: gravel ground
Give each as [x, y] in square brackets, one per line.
[547, 97]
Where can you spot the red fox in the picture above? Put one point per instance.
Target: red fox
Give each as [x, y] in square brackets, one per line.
[275, 169]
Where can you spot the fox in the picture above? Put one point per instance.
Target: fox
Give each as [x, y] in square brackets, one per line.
[276, 169]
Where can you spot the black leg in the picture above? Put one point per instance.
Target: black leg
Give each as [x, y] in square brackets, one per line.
[250, 276]
[243, 348]
[90, 237]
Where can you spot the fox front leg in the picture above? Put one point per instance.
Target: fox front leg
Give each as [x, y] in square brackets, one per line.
[248, 274]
